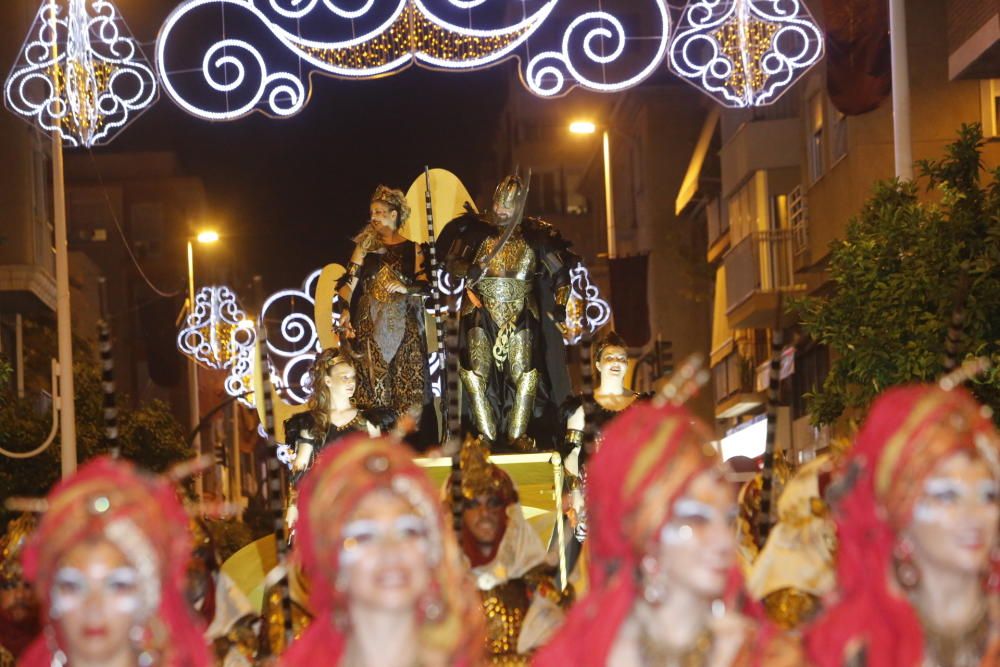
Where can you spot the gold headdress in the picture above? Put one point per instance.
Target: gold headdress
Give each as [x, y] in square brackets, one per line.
[11, 545]
[480, 477]
[394, 199]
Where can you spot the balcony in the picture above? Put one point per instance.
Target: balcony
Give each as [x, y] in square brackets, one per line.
[733, 379]
[759, 275]
[760, 145]
[973, 33]
[718, 230]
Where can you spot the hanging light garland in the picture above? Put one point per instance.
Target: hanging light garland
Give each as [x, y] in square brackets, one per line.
[232, 78]
[80, 73]
[745, 53]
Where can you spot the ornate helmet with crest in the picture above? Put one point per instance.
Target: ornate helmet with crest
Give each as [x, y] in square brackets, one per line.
[394, 199]
[12, 543]
[512, 193]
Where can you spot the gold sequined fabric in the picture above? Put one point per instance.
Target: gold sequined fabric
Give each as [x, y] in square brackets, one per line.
[274, 622]
[505, 606]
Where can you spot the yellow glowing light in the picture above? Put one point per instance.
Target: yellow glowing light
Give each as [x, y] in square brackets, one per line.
[582, 127]
[208, 236]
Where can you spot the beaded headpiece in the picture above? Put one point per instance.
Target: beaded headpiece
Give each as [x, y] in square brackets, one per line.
[480, 477]
[394, 199]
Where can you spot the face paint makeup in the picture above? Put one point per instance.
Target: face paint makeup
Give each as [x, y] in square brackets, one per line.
[689, 515]
[119, 587]
[361, 534]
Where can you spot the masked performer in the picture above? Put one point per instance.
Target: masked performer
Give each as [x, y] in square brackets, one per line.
[916, 514]
[384, 283]
[19, 623]
[663, 550]
[387, 584]
[517, 292]
[518, 589]
[108, 563]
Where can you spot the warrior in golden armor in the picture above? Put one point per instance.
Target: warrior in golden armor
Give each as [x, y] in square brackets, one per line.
[517, 290]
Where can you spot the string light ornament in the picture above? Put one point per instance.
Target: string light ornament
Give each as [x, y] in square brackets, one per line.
[595, 312]
[216, 332]
[745, 53]
[294, 343]
[80, 73]
[362, 39]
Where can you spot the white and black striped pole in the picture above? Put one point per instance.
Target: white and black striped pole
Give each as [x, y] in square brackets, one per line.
[767, 473]
[108, 393]
[436, 305]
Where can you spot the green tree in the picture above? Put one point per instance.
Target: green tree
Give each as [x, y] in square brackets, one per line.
[898, 275]
[148, 434]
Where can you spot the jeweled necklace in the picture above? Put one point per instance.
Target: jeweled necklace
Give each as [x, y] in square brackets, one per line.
[655, 654]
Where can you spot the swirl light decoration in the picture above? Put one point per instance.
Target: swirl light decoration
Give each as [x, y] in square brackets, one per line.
[80, 73]
[230, 77]
[596, 311]
[294, 343]
[745, 53]
[217, 332]
[592, 43]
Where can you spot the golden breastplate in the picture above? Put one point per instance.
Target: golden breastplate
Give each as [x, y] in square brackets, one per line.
[515, 259]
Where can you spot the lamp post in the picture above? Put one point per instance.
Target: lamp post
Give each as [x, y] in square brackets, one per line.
[204, 237]
[589, 127]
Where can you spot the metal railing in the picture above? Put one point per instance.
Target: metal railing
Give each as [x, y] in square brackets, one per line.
[718, 224]
[760, 262]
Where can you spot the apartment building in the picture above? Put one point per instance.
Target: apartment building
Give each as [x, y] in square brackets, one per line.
[792, 176]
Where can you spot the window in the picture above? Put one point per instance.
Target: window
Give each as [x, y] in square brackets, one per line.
[838, 135]
[545, 195]
[814, 142]
[989, 95]
[747, 208]
[812, 365]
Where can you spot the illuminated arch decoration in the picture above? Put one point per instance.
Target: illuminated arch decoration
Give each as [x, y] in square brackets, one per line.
[229, 76]
[80, 73]
[217, 331]
[745, 53]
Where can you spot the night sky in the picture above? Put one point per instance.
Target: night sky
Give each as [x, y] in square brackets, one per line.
[290, 192]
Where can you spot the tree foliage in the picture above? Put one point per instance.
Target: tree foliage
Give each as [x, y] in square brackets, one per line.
[148, 434]
[898, 276]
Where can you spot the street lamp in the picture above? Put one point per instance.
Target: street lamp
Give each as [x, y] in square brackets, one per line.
[204, 237]
[590, 127]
